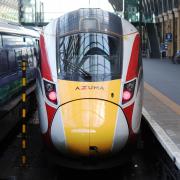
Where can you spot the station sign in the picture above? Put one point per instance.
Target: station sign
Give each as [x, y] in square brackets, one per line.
[169, 37]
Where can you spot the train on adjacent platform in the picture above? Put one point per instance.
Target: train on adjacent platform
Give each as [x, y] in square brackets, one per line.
[90, 84]
[16, 44]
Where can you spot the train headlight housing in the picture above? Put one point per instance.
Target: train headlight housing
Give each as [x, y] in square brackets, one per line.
[128, 91]
[50, 91]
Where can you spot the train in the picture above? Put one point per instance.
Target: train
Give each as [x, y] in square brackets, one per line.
[90, 84]
[16, 44]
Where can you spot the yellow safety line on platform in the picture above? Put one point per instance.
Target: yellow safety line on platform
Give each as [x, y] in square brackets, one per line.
[24, 64]
[24, 68]
[164, 99]
[24, 128]
[24, 81]
[23, 144]
[23, 113]
[24, 97]
[24, 159]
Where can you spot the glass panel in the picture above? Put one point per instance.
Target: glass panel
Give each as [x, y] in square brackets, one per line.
[0, 41]
[12, 60]
[29, 41]
[176, 4]
[89, 57]
[165, 6]
[170, 4]
[131, 12]
[9, 10]
[3, 62]
[30, 57]
[18, 54]
[12, 40]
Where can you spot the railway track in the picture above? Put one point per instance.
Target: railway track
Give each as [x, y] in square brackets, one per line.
[148, 162]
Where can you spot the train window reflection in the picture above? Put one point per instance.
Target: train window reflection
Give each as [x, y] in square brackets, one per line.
[0, 41]
[3, 62]
[89, 57]
[9, 40]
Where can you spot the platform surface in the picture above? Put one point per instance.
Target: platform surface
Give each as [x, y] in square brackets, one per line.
[164, 76]
[161, 106]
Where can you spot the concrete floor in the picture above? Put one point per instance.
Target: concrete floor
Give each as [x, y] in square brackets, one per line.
[164, 76]
[141, 166]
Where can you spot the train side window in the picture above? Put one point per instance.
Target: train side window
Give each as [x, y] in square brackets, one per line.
[30, 58]
[34, 53]
[12, 60]
[29, 41]
[18, 55]
[0, 41]
[25, 56]
[3, 62]
[9, 40]
[37, 51]
[36, 44]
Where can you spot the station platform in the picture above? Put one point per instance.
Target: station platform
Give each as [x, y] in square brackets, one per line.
[161, 106]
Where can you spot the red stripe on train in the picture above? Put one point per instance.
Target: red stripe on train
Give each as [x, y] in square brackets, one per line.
[51, 113]
[133, 64]
[45, 69]
[128, 111]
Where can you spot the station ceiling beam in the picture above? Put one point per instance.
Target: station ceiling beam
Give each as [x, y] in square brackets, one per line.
[117, 4]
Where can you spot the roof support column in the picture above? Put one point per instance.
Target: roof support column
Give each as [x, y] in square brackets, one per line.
[170, 29]
[161, 21]
[177, 18]
[165, 29]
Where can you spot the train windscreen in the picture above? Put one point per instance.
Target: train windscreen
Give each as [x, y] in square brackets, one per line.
[89, 57]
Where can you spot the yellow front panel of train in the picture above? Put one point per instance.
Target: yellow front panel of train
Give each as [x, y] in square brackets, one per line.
[89, 122]
[72, 90]
[89, 118]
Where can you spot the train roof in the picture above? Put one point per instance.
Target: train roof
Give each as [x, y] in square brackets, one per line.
[6, 27]
[87, 19]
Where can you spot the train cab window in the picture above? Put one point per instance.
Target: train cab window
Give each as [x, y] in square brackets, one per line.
[3, 62]
[89, 57]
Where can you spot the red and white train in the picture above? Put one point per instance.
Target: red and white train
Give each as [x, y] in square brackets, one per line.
[90, 83]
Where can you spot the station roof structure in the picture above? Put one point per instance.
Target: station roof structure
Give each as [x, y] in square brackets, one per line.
[117, 5]
[150, 8]
[133, 9]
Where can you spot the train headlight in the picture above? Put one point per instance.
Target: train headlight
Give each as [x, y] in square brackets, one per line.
[50, 91]
[128, 91]
[127, 95]
[52, 96]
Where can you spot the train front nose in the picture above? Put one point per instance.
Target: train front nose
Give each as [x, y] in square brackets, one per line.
[91, 127]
